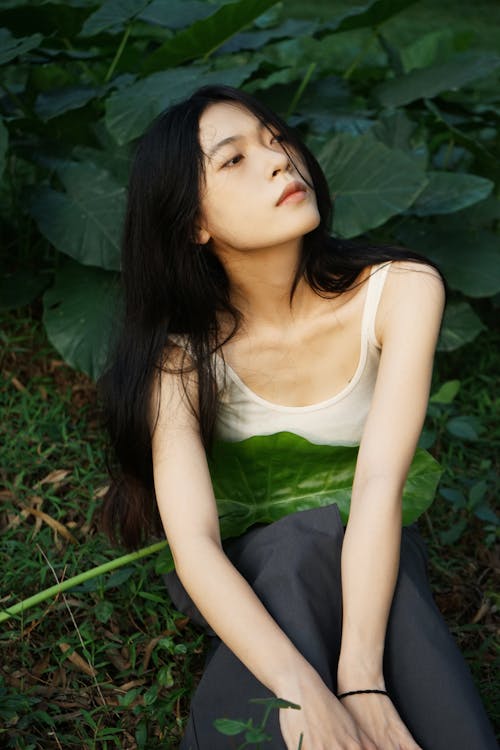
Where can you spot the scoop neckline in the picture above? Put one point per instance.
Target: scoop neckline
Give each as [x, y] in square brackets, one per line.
[332, 399]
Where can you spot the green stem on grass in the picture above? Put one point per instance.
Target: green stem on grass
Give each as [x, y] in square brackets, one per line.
[70, 583]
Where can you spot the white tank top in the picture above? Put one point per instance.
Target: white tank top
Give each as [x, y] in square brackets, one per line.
[338, 420]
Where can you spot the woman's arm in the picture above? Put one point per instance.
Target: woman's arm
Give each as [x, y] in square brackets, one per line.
[410, 316]
[189, 514]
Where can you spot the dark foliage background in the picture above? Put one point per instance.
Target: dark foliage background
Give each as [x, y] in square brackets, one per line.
[401, 102]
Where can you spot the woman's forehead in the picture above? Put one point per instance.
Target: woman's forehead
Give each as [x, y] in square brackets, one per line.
[223, 120]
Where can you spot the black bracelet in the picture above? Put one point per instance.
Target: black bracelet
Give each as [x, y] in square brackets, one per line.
[354, 692]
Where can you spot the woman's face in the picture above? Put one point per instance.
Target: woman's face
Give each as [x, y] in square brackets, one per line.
[246, 172]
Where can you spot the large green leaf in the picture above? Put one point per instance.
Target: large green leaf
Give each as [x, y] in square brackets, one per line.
[116, 159]
[438, 45]
[394, 129]
[369, 182]
[369, 14]
[11, 47]
[130, 110]
[112, 15]
[290, 29]
[434, 79]
[483, 214]
[176, 14]
[50, 104]
[325, 12]
[331, 53]
[448, 192]
[205, 36]
[279, 77]
[84, 222]
[264, 478]
[460, 325]
[469, 257]
[344, 15]
[80, 314]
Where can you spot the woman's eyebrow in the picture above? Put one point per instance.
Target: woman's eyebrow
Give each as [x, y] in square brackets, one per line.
[231, 139]
[224, 142]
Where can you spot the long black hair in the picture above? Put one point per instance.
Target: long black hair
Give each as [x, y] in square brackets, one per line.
[171, 285]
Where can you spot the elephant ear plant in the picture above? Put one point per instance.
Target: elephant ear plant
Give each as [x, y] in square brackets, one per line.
[365, 84]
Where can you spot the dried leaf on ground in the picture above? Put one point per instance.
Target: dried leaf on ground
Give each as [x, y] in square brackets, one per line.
[54, 477]
[77, 660]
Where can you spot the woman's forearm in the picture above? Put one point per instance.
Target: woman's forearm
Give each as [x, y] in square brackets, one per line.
[235, 612]
[370, 563]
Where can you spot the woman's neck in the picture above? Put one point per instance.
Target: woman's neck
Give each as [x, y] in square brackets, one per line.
[260, 282]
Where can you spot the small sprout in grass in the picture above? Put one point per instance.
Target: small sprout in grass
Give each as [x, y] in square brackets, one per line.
[232, 727]
[254, 735]
[446, 392]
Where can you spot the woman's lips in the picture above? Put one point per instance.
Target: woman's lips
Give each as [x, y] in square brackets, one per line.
[295, 197]
[293, 193]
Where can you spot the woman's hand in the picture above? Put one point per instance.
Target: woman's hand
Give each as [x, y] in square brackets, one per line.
[376, 715]
[322, 720]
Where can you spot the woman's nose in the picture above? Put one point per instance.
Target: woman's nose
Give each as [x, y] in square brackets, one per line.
[280, 162]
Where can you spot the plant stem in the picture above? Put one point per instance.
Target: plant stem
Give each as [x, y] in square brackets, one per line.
[266, 715]
[42, 596]
[301, 88]
[119, 53]
[364, 49]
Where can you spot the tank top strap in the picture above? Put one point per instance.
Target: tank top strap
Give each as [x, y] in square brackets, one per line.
[373, 294]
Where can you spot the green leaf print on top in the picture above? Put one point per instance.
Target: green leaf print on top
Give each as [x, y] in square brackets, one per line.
[263, 478]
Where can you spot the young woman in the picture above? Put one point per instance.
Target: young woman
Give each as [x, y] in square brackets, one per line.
[244, 317]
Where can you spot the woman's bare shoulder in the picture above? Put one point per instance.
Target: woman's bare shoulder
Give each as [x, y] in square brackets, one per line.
[409, 268]
[406, 275]
[173, 395]
[409, 287]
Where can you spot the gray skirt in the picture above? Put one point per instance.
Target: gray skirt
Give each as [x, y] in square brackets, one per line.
[293, 565]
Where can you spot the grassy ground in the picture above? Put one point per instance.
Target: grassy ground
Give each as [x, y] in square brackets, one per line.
[112, 664]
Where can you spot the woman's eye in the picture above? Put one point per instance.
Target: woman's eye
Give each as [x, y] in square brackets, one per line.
[277, 138]
[232, 162]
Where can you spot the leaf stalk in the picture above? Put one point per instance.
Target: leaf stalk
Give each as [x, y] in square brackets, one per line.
[301, 88]
[70, 583]
[119, 53]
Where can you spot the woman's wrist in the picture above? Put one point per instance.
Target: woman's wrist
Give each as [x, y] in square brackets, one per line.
[348, 693]
[356, 675]
[291, 684]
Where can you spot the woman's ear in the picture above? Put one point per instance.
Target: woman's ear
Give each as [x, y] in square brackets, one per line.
[202, 236]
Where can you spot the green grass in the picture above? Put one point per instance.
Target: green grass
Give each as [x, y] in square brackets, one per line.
[111, 664]
[145, 655]
[462, 529]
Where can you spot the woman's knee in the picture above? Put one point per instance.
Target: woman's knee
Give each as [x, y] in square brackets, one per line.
[296, 543]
